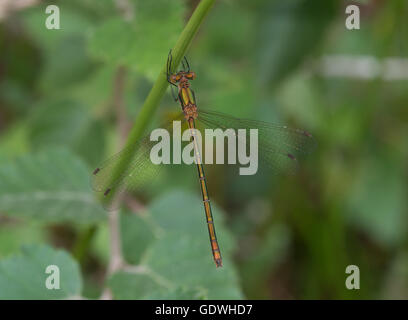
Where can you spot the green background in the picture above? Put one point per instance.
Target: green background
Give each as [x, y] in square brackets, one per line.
[67, 96]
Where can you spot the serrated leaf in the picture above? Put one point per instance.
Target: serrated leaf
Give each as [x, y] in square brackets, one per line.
[67, 123]
[126, 286]
[23, 276]
[181, 257]
[50, 186]
[142, 43]
[183, 254]
[187, 261]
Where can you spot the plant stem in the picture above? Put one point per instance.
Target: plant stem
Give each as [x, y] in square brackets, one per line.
[116, 260]
[159, 88]
[83, 242]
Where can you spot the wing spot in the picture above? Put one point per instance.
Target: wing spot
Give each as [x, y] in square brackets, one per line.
[291, 156]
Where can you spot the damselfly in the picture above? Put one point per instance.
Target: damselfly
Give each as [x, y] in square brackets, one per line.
[279, 147]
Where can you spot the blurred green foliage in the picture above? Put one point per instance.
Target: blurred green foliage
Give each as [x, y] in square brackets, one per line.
[20, 275]
[282, 236]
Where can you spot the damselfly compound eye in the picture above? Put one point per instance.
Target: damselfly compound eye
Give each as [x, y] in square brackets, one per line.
[191, 75]
[174, 78]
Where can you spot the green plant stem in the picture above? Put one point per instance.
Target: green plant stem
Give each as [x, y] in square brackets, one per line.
[161, 84]
[83, 242]
[159, 88]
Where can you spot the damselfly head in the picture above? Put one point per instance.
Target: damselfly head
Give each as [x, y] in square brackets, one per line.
[182, 76]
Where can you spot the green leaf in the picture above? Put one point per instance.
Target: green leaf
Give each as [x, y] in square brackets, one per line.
[228, 35]
[125, 285]
[24, 276]
[178, 293]
[22, 61]
[289, 31]
[14, 235]
[181, 259]
[142, 43]
[95, 8]
[96, 92]
[159, 87]
[15, 96]
[66, 63]
[136, 236]
[50, 186]
[73, 22]
[14, 142]
[264, 259]
[64, 57]
[143, 285]
[184, 259]
[377, 201]
[100, 44]
[68, 123]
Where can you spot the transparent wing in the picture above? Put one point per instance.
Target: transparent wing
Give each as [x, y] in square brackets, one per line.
[108, 178]
[279, 147]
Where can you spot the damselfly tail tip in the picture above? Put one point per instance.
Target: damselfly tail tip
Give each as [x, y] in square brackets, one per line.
[96, 171]
[106, 192]
[218, 262]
